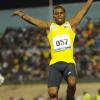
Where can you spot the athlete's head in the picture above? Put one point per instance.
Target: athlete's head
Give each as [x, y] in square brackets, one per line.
[59, 14]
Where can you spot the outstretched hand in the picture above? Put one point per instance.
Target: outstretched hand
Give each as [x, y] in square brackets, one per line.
[18, 13]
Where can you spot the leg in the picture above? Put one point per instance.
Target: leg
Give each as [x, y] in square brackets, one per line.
[70, 76]
[54, 80]
[53, 93]
[71, 87]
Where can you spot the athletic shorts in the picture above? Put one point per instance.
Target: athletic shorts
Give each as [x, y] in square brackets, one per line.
[60, 70]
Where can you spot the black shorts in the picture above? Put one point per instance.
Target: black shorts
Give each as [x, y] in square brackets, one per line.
[60, 70]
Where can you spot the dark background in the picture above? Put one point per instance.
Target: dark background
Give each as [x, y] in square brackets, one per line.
[10, 4]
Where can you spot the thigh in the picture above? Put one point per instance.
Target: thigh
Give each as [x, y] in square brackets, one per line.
[54, 76]
[70, 70]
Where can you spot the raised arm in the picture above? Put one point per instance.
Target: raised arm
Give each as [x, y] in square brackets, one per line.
[34, 21]
[79, 16]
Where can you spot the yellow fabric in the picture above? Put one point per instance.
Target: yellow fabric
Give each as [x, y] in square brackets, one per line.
[61, 38]
[97, 97]
[87, 97]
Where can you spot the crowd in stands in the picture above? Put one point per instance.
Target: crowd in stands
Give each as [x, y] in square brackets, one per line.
[25, 52]
[88, 49]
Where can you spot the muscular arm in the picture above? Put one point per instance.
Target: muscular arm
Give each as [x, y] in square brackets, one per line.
[34, 21]
[78, 17]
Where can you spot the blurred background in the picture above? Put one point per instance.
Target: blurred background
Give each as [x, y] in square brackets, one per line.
[25, 51]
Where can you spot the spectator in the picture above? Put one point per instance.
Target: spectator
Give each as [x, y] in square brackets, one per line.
[21, 55]
[86, 96]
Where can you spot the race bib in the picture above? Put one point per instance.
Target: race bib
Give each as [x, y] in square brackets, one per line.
[61, 42]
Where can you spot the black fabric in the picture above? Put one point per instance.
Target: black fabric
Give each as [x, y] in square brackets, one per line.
[58, 71]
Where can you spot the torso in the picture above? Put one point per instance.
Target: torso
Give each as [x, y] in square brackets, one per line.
[61, 38]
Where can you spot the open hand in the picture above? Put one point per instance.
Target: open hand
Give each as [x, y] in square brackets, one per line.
[18, 13]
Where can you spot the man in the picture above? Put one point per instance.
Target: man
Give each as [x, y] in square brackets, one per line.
[61, 37]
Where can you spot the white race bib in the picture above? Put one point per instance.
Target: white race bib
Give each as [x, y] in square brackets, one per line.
[61, 42]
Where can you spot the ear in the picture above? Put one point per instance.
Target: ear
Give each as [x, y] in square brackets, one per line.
[53, 15]
[65, 14]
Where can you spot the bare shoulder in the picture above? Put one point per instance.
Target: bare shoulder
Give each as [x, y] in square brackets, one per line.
[71, 22]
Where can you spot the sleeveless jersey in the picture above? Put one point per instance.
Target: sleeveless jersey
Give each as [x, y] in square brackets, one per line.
[61, 39]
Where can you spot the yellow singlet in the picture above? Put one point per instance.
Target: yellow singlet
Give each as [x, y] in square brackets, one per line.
[61, 38]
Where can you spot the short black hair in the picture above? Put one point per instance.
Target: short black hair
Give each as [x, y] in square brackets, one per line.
[58, 6]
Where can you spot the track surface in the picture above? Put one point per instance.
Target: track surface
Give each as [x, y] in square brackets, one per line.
[31, 91]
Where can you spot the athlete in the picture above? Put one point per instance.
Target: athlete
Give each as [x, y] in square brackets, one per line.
[61, 34]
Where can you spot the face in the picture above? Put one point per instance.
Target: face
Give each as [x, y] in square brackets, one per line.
[59, 16]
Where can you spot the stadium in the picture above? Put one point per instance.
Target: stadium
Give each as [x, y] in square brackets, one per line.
[25, 51]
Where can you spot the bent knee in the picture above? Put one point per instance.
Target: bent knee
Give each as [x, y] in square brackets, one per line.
[72, 80]
[53, 92]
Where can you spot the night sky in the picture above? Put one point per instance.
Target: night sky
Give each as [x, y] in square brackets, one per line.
[10, 4]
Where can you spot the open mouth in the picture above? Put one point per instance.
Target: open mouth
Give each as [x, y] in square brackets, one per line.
[59, 18]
